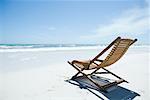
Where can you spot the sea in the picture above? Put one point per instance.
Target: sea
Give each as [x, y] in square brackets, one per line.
[53, 47]
[27, 46]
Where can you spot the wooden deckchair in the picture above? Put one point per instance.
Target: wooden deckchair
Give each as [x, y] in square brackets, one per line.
[119, 47]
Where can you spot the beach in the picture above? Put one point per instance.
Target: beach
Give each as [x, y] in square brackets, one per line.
[40, 74]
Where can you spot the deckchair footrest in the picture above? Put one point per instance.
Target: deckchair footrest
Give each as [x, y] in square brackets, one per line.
[113, 83]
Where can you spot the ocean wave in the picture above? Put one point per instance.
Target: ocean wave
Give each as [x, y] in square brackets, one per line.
[27, 46]
[52, 47]
[65, 48]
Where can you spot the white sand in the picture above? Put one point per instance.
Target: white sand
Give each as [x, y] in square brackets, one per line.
[40, 74]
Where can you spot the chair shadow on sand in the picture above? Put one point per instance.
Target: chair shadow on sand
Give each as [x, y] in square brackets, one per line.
[114, 93]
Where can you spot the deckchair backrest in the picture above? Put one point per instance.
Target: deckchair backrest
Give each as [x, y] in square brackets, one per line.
[118, 50]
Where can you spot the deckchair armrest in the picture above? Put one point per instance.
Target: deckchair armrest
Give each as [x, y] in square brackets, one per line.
[95, 62]
[99, 60]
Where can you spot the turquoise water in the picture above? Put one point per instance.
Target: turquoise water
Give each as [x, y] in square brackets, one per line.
[15, 46]
[24, 46]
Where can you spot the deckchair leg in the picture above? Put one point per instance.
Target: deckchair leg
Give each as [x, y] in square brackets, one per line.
[115, 75]
[108, 72]
[73, 77]
[113, 83]
[79, 71]
[94, 71]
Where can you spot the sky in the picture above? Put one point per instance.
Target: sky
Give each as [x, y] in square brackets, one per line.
[73, 22]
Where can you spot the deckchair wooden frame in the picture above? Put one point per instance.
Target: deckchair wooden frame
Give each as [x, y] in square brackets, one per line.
[104, 87]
